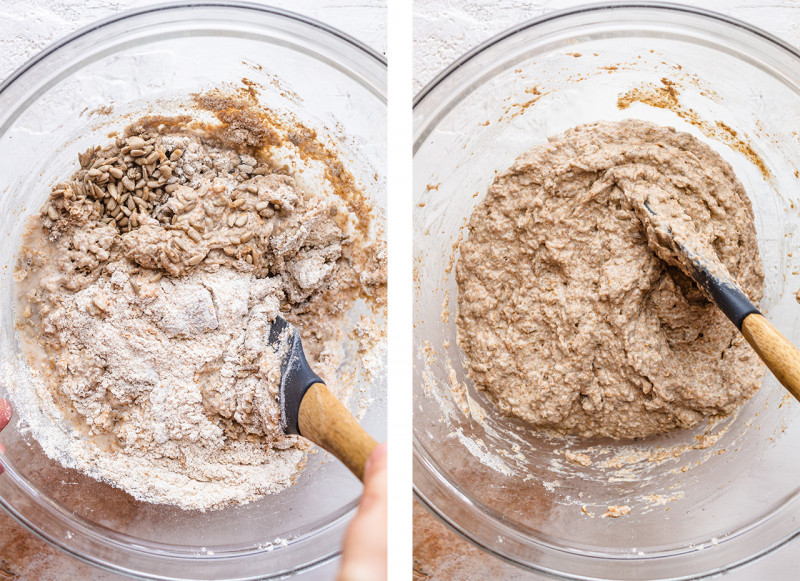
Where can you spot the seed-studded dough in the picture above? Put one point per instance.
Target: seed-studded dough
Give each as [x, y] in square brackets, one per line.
[567, 315]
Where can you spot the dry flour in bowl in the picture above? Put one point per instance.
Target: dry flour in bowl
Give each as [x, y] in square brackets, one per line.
[147, 285]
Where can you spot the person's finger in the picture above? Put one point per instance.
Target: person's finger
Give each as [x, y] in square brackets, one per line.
[5, 413]
[364, 552]
[5, 417]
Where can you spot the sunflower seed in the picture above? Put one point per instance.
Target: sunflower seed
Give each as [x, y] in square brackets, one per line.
[156, 277]
[238, 203]
[135, 142]
[196, 259]
[128, 183]
[241, 220]
[231, 220]
[51, 213]
[85, 158]
[137, 153]
[176, 155]
[246, 237]
[194, 235]
[262, 206]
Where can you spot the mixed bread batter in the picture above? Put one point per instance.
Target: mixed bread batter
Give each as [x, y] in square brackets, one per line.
[147, 286]
[574, 311]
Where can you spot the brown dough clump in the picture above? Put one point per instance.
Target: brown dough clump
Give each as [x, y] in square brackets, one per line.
[575, 317]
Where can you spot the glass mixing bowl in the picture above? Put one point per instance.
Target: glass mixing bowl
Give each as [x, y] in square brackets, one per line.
[702, 500]
[51, 109]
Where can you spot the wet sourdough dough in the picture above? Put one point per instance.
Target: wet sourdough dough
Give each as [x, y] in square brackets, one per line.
[568, 317]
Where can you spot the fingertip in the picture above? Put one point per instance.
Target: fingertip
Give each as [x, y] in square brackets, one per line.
[5, 413]
[376, 461]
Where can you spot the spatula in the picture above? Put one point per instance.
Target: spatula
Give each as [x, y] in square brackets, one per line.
[308, 407]
[780, 356]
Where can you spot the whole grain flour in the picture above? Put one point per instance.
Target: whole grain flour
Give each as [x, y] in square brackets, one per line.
[147, 286]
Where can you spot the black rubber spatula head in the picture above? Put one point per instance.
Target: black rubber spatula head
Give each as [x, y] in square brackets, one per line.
[308, 407]
[296, 374]
[780, 356]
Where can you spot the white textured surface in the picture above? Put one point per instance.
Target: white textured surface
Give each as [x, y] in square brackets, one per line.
[446, 29]
[27, 26]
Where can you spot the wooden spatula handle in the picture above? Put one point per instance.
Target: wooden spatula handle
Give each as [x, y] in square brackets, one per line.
[326, 422]
[782, 358]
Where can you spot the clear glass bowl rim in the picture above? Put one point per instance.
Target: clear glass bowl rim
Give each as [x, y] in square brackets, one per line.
[371, 61]
[433, 489]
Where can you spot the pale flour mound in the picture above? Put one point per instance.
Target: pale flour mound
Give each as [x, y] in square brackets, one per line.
[179, 379]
